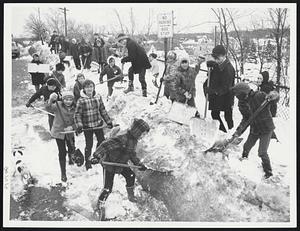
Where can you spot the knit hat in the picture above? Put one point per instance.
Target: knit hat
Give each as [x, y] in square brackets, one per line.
[138, 127]
[111, 59]
[79, 75]
[240, 88]
[184, 59]
[66, 94]
[218, 50]
[121, 36]
[51, 82]
[265, 76]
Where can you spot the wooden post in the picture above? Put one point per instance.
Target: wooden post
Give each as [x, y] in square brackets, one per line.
[166, 49]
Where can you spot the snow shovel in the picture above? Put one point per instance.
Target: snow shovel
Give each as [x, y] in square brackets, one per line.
[221, 145]
[181, 112]
[88, 129]
[202, 127]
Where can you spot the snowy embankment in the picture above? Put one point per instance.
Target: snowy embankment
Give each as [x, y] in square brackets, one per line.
[201, 187]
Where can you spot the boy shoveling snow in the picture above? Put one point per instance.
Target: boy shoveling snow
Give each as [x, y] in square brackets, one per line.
[262, 127]
[119, 149]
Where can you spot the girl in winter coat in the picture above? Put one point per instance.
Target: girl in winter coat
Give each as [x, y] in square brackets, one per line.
[63, 121]
[78, 86]
[185, 82]
[37, 78]
[89, 112]
[120, 149]
[58, 75]
[170, 76]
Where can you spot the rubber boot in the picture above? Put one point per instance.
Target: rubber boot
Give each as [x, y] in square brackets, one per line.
[88, 164]
[144, 92]
[130, 87]
[266, 164]
[244, 156]
[62, 164]
[100, 210]
[130, 192]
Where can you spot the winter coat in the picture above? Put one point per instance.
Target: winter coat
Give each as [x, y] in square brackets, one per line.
[65, 46]
[154, 67]
[137, 56]
[90, 111]
[74, 51]
[185, 82]
[37, 77]
[53, 39]
[61, 120]
[111, 72]
[76, 90]
[58, 77]
[221, 80]
[85, 50]
[170, 78]
[267, 86]
[263, 123]
[119, 149]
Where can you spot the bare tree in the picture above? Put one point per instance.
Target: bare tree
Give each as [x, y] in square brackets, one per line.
[132, 22]
[35, 25]
[55, 20]
[278, 18]
[150, 22]
[120, 21]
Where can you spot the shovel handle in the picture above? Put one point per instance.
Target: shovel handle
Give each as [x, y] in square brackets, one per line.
[42, 110]
[120, 165]
[206, 96]
[88, 129]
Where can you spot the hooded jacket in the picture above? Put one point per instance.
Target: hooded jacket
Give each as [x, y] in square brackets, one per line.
[90, 111]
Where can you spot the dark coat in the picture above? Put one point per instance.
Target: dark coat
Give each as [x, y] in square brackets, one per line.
[137, 56]
[43, 91]
[76, 91]
[74, 51]
[263, 123]
[221, 80]
[111, 72]
[85, 50]
[266, 87]
[65, 46]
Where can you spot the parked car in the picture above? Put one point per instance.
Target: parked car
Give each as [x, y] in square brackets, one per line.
[15, 50]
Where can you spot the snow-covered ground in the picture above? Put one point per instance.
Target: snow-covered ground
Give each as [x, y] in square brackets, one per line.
[167, 146]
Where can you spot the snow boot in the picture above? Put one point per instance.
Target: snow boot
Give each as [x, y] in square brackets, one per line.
[130, 87]
[88, 164]
[244, 156]
[100, 210]
[144, 92]
[266, 164]
[130, 192]
[62, 164]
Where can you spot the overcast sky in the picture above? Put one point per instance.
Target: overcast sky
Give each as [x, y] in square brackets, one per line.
[187, 15]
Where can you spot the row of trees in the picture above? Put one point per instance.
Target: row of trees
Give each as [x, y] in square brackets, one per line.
[239, 47]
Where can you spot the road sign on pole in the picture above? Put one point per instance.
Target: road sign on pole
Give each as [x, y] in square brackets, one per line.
[165, 25]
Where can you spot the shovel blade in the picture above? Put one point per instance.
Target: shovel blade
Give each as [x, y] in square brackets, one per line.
[181, 113]
[204, 128]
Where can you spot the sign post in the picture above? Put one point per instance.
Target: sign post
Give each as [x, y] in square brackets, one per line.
[165, 29]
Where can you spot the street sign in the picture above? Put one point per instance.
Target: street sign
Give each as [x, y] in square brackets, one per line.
[165, 25]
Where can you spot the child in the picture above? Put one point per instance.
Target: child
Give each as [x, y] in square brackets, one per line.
[88, 114]
[154, 67]
[169, 78]
[120, 149]
[58, 75]
[63, 121]
[78, 86]
[111, 71]
[37, 78]
[185, 81]
[262, 127]
[46, 91]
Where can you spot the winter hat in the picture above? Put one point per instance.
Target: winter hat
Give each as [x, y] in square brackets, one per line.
[265, 76]
[88, 82]
[138, 127]
[66, 94]
[79, 75]
[111, 59]
[184, 59]
[51, 82]
[121, 36]
[62, 55]
[153, 55]
[59, 67]
[218, 50]
[172, 54]
[35, 54]
[240, 88]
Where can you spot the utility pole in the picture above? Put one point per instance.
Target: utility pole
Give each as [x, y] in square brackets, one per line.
[65, 14]
[40, 26]
[215, 35]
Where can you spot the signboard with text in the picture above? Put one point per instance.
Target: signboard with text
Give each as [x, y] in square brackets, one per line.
[165, 25]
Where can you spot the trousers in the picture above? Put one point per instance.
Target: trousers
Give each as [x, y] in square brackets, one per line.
[228, 117]
[142, 74]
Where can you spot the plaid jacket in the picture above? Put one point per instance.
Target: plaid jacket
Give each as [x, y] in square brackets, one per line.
[263, 123]
[90, 111]
[119, 149]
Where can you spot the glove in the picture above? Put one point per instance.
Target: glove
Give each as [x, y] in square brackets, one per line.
[78, 130]
[211, 63]
[110, 125]
[187, 95]
[53, 97]
[272, 96]
[69, 128]
[28, 104]
[101, 81]
[143, 167]
[95, 160]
